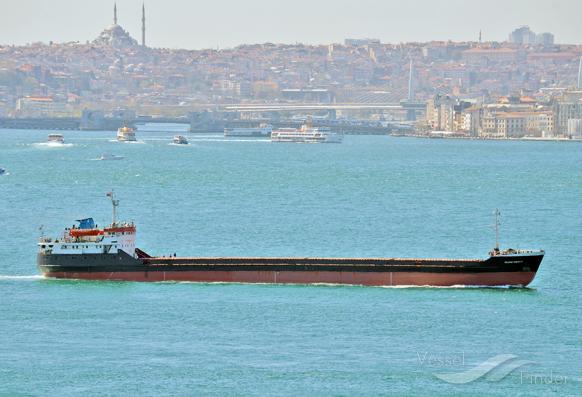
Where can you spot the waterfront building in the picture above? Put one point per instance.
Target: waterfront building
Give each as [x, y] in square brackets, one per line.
[446, 113]
[575, 128]
[440, 112]
[511, 125]
[566, 107]
[471, 120]
[489, 126]
[517, 124]
[541, 124]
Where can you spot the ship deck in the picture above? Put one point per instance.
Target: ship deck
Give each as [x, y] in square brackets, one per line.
[303, 261]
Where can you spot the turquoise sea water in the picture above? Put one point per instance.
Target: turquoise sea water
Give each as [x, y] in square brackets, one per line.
[370, 196]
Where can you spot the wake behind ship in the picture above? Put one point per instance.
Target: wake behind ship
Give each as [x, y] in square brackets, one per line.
[88, 252]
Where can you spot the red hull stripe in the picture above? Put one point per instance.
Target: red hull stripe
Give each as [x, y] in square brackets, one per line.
[314, 277]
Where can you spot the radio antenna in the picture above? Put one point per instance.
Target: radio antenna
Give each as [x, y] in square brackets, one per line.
[497, 224]
[114, 204]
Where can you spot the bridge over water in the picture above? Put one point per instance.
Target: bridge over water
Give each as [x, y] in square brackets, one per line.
[213, 117]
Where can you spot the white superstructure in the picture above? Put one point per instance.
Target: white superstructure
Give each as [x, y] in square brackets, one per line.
[109, 240]
[126, 134]
[87, 238]
[306, 134]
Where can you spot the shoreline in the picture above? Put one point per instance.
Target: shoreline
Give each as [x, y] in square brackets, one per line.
[471, 138]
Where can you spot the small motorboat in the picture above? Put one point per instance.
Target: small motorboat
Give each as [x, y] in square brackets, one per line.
[105, 157]
[56, 138]
[2, 171]
[180, 140]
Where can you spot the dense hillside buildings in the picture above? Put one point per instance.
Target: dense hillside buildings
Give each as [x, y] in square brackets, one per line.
[114, 71]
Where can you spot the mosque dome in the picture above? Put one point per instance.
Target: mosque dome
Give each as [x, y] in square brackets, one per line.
[115, 35]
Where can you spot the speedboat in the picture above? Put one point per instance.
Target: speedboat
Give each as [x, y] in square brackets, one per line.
[180, 140]
[56, 138]
[110, 157]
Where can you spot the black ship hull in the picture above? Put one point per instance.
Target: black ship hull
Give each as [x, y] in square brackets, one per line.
[500, 270]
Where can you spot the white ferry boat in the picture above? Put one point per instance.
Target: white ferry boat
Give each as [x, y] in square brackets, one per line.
[306, 134]
[264, 130]
[56, 138]
[180, 140]
[126, 134]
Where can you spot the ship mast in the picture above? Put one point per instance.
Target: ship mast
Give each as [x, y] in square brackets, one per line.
[497, 223]
[114, 204]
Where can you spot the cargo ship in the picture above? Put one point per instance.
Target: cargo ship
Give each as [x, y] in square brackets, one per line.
[88, 252]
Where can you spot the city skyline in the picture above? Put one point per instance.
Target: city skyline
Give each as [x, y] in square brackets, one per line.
[197, 26]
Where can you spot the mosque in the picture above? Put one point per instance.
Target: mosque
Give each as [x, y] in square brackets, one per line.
[116, 36]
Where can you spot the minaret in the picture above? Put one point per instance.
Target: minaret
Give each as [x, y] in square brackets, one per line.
[143, 25]
[115, 13]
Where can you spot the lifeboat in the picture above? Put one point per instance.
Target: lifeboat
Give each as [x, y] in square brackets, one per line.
[85, 232]
[120, 229]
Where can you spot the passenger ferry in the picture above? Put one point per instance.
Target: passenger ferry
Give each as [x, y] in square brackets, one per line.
[264, 130]
[126, 134]
[180, 140]
[56, 138]
[306, 134]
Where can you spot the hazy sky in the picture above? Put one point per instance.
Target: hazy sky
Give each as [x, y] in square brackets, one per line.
[195, 24]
